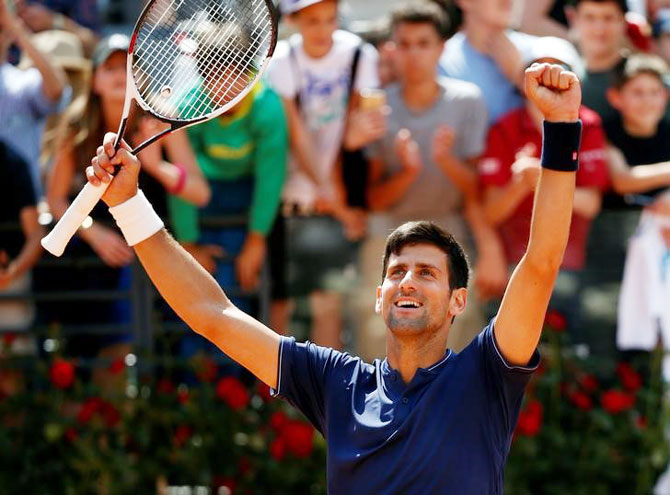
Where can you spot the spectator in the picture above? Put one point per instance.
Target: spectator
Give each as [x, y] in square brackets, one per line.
[311, 72]
[423, 166]
[600, 27]
[378, 34]
[27, 97]
[545, 17]
[638, 156]
[243, 155]
[485, 52]
[64, 51]
[81, 134]
[662, 35]
[19, 240]
[79, 17]
[509, 171]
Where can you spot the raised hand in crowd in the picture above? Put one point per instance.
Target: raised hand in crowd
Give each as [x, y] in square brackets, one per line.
[526, 167]
[364, 127]
[443, 143]
[408, 152]
[54, 80]
[508, 58]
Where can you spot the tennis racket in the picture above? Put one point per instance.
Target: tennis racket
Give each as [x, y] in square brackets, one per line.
[188, 61]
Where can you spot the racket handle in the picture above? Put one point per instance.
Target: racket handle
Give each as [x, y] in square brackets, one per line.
[56, 241]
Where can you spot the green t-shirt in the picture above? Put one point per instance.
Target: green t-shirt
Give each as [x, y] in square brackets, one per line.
[251, 142]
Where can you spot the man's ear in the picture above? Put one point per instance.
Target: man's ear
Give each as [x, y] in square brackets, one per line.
[614, 98]
[378, 301]
[457, 301]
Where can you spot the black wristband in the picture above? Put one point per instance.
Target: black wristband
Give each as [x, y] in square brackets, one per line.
[560, 145]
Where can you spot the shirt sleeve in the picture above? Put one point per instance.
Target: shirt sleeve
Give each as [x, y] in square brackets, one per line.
[39, 104]
[593, 171]
[282, 74]
[475, 129]
[367, 75]
[270, 155]
[305, 371]
[494, 168]
[504, 381]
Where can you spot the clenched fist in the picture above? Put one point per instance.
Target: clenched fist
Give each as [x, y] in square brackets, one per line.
[555, 91]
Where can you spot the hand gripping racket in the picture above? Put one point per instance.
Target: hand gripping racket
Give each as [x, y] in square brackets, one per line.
[188, 61]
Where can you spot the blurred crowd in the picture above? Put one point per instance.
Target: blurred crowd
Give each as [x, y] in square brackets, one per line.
[357, 127]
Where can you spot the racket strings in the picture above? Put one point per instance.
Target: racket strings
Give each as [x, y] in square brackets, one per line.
[227, 56]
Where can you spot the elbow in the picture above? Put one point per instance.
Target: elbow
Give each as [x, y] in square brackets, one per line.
[544, 267]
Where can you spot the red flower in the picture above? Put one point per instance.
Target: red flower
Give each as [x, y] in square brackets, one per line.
[244, 465]
[206, 369]
[71, 434]
[8, 338]
[61, 373]
[299, 438]
[630, 379]
[530, 419]
[277, 420]
[555, 320]
[589, 383]
[88, 409]
[182, 395]
[117, 366]
[110, 414]
[231, 391]
[581, 400]
[165, 387]
[278, 449]
[615, 401]
[181, 435]
[641, 422]
[263, 391]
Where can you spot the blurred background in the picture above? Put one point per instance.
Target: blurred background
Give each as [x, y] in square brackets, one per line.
[359, 125]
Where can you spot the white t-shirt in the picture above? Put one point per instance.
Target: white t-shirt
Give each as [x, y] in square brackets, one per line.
[322, 84]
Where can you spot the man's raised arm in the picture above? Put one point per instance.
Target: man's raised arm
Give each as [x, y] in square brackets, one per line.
[518, 325]
[186, 286]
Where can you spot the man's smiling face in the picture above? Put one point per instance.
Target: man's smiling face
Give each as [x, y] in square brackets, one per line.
[414, 296]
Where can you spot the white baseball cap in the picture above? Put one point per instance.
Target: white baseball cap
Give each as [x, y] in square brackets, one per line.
[293, 6]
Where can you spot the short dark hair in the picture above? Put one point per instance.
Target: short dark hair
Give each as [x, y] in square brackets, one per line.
[637, 64]
[421, 12]
[423, 232]
[619, 3]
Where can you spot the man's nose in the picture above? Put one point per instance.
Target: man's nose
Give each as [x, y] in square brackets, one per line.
[408, 282]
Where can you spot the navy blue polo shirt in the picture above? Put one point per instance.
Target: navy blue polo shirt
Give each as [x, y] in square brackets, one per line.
[447, 431]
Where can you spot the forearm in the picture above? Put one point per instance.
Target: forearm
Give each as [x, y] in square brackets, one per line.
[385, 194]
[53, 79]
[463, 177]
[642, 178]
[587, 202]
[552, 213]
[29, 255]
[201, 303]
[194, 189]
[501, 203]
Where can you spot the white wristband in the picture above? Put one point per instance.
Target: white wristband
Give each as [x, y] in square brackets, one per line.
[136, 218]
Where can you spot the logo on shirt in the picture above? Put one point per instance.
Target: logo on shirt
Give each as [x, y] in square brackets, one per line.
[489, 166]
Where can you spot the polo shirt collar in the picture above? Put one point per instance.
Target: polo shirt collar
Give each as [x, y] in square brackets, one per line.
[393, 381]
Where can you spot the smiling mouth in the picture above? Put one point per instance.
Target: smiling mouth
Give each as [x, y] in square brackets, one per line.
[407, 304]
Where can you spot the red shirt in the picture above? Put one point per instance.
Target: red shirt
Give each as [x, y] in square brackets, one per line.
[505, 139]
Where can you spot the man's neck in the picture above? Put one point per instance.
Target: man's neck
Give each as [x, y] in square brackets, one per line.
[602, 63]
[479, 35]
[420, 96]
[406, 356]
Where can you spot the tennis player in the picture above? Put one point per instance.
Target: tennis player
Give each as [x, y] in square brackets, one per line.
[424, 420]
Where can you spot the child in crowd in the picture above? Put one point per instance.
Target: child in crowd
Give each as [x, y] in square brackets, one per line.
[311, 71]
